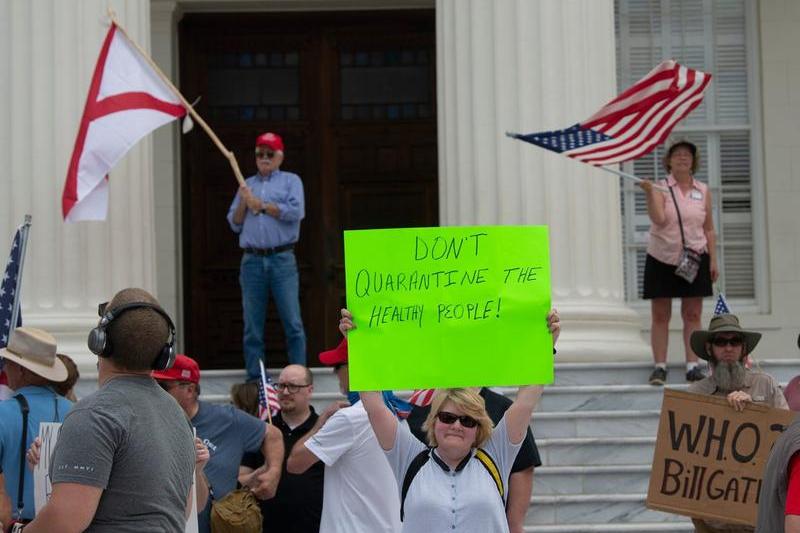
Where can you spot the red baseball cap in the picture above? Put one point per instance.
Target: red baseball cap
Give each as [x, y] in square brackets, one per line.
[184, 369]
[271, 140]
[337, 356]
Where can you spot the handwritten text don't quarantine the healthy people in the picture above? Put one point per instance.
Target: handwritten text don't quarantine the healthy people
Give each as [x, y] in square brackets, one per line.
[426, 254]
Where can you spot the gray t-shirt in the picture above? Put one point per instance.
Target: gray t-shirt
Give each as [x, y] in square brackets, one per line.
[131, 439]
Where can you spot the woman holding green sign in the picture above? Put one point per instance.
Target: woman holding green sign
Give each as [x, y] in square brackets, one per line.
[458, 481]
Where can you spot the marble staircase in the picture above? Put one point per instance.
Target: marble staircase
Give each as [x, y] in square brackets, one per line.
[595, 428]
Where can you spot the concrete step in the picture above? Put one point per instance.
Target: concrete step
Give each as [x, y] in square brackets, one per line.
[579, 451]
[594, 508]
[652, 527]
[602, 397]
[622, 373]
[596, 377]
[637, 423]
[595, 479]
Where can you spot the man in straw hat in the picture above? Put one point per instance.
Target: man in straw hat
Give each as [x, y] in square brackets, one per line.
[779, 499]
[125, 455]
[32, 367]
[725, 344]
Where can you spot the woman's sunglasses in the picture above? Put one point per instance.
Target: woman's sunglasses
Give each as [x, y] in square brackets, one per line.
[449, 418]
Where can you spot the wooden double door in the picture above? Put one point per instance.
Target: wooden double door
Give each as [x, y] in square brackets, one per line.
[353, 95]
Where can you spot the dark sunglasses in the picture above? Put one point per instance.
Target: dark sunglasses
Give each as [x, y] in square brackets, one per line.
[269, 154]
[449, 418]
[290, 387]
[719, 342]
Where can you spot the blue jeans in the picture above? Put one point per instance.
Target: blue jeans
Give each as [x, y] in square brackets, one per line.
[258, 276]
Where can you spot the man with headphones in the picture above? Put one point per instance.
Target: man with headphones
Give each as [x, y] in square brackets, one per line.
[125, 455]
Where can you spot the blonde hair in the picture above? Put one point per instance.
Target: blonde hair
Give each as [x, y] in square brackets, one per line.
[468, 401]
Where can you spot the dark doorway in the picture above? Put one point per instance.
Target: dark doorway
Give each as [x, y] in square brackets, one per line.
[353, 95]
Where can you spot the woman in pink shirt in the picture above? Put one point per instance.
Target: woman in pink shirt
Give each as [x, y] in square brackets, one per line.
[693, 202]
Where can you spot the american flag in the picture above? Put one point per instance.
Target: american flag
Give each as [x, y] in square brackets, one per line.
[421, 397]
[267, 396]
[722, 306]
[632, 124]
[8, 289]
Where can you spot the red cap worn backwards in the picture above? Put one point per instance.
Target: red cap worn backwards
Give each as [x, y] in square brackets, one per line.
[184, 369]
[271, 140]
[337, 356]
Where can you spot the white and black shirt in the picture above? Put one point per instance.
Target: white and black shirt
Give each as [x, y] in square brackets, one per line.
[465, 499]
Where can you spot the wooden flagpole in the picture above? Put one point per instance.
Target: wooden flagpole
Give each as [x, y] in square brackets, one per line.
[635, 179]
[189, 109]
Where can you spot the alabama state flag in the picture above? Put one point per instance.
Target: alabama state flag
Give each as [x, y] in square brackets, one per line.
[127, 100]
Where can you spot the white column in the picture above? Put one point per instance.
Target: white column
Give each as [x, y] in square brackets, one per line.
[48, 51]
[166, 167]
[519, 65]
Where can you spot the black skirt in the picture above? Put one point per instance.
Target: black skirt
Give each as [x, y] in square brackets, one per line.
[660, 280]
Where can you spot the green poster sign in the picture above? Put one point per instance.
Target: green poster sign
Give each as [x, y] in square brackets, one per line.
[448, 307]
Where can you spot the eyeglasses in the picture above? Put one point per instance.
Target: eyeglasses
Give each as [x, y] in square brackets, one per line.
[169, 385]
[720, 342]
[291, 388]
[450, 418]
[268, 154]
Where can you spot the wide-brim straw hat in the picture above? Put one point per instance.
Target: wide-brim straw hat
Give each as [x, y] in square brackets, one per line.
[725, 323]
[35, 349]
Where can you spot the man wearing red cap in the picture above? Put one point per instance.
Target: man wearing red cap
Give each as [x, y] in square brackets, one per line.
[228, 433]
[266, 213]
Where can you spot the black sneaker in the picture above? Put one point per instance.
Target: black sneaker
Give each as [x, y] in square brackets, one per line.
[659, 376]
[695, 374]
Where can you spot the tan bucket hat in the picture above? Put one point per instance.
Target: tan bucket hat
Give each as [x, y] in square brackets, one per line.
[725, 323]
[35, 349]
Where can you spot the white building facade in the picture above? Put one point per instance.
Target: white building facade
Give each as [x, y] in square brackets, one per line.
[519, 65]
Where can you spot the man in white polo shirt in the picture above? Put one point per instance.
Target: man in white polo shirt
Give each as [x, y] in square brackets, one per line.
[360, 491]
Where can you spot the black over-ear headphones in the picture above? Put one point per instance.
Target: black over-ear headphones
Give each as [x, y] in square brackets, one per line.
[100, 343]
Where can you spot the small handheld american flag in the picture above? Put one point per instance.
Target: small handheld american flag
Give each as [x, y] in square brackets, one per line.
[421, 397]
[268, 404]
[721, 308]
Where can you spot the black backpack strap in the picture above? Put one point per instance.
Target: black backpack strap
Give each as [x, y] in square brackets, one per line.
[488, 463]
[417, 463]
[23, 406]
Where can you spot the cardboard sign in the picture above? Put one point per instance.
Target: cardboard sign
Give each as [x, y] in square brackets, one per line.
[709, 458]
[448, 307]
[42, 488]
